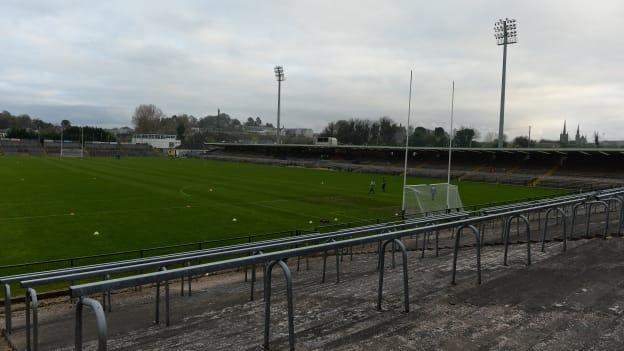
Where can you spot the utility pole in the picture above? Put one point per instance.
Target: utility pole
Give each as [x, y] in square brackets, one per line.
[505, 33]
[279, 75]
[529, 144]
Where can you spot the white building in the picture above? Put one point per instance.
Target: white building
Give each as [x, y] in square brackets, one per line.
[158, 141]
[262, 130]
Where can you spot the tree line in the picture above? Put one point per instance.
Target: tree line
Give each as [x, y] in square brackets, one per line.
[148, 118]
[26, 127]
[355, 131]
[151, 119]
[386, 132]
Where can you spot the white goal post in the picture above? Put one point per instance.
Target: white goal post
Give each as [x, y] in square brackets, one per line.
[422, 199]
[67, 152]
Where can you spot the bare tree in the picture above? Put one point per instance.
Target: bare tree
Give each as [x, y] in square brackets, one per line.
[489, 137]
[147, 118]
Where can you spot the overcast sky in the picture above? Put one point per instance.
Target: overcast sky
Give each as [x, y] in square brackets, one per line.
[94, 61]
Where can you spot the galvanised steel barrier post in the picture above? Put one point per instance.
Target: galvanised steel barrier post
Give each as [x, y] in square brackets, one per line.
[31, 304]
[574, 212]
[337, 253]
[157, 321]
[351, 250]
[71, 264]
[249, 242]
[267, 303]
[621, 219]
[190, 279]
[592, 204]
[400, 244]
[141, 256]
[437, 242]
[100, 319]
[558, 210]
[518, 217]
[187, 264]
[106, 295]
[378, 252]
[539, 221]
[393, 247]
[253, 276]
[7, 309]
[425, 242]
[458, 233]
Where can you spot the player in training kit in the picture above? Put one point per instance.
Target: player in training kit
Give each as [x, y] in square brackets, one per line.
[371, 188]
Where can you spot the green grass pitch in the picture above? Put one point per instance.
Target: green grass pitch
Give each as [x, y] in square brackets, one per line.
[52, 207]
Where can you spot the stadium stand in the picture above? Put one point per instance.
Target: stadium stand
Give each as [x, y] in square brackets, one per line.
[138, 150]
[20, 147]
[119, 149]
[53, 148]
[73, 149]
[564, 168]
[102, 149]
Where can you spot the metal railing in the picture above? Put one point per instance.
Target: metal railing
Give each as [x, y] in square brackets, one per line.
[271, 259]
[30, 280]
[259, 249]
[76, 261]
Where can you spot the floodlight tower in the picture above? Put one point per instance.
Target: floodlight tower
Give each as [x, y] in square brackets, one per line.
[505, 33]
[279, 75]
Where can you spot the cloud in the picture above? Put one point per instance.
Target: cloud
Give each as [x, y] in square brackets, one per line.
[98, 60]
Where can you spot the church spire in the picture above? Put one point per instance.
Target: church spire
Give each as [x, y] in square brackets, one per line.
[564, 127]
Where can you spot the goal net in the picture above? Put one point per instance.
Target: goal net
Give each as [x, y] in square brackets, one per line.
[71, 152]
[426, 198]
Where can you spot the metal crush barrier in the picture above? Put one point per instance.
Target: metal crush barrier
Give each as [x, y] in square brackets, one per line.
[314, 243]
[279, 257]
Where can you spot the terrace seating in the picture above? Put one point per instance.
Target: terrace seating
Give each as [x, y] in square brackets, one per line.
[573, 169]
[137, 150]
[102, 149]
[53, 148]
[99, 149]
[20, 147]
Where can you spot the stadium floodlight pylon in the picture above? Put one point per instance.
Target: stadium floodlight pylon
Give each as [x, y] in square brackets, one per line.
[407, 130]
[450, 150]
[279, 75]
[505, 32]
[422, 199]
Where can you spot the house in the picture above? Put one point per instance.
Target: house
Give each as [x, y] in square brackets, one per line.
[157, 141]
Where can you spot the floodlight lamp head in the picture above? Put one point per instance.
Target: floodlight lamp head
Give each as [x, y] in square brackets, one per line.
[279, 73]
[505, 31]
